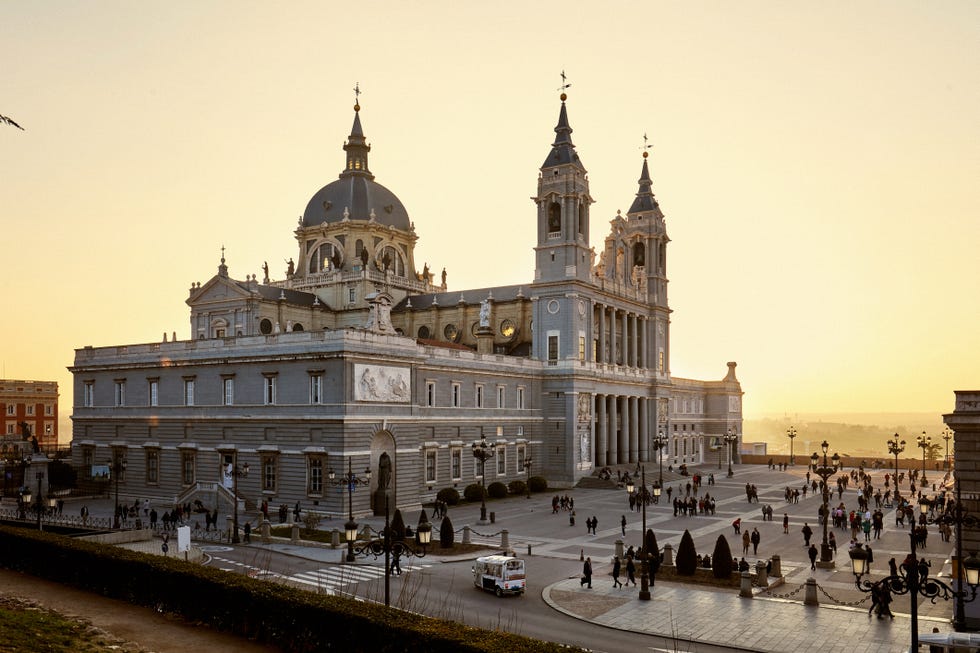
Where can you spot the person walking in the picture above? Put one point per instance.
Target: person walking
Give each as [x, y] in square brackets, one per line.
[746, 540]
[807, 533]
[785, 524]
[617, 568]
[756, 539]
[630, 571]
[248, 532]
[812, 552]
[622, 523]
[587, 573]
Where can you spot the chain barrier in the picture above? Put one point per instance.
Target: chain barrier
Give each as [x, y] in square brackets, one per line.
[473, 532]
[787, 595]
[839, 602]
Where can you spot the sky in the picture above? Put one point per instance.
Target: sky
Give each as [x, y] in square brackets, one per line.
[818, 164]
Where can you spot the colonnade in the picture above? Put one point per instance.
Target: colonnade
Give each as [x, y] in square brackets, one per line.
[623, 425]
[622, 338]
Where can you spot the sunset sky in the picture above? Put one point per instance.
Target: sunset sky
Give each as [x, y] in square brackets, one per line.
[818, 163]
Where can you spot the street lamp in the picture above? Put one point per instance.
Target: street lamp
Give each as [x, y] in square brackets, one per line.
[947, 436]
[895, 447]
[351, 480]
[642, 497]
[659, 443]
[924, 442]
[957, 516]
[118, 469]
[913, 579]
[385, 546]
[236, 473]
[730, 439]
[527, 468]
[825, 471]
[483, 452]
[39, 507]
[791, 434]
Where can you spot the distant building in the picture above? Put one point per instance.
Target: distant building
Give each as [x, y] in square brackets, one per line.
[34, 403]
[358, 356]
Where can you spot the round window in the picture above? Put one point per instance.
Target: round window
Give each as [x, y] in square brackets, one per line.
[424, 333]
[265, 326]
[451, 332]
[508, 328]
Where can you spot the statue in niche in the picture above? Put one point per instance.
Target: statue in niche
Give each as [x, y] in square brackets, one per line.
[384, 471]
[364, 257]
[335, 260]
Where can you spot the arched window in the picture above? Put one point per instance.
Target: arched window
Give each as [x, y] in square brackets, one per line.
[324, 258]
[581, 219]
[297, 327]
[554, 217]
[391, 259]
[639, 253]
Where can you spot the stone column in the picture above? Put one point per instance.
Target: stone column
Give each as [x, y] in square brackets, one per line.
[612, 335]
[600, 311]
[624, 431]
[613, 455]
[626, 339]
[644, 428]
[602, 426]
[634, 429]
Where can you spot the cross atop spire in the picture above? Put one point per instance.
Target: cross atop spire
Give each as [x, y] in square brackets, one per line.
[357, 96]
[646, 145]
[564, 84]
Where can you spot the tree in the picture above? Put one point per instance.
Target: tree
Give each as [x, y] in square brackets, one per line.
[721, 559]
[446, 533]
[397, 526]
[687, 555]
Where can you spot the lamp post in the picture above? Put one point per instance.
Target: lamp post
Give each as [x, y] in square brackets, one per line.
[825, 471]
[958, 517]
[791, 434]
[236, 473]
[351, 480]
[118, 469]
[659, 443]
[947, 436]
[39, 507]
[730, 439]
[527, 468]
[483, 452]
[895, 447]
[385, 546]
[642, 497]
[913, 579]
[924, 442]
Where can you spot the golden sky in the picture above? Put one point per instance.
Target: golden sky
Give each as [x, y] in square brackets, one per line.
[818, 164]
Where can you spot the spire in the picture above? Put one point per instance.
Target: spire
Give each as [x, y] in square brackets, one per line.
[645, 200]
[223, 269]
[356, 146]
[562, 150]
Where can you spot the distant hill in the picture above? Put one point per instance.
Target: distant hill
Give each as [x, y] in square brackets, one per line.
[856, 434]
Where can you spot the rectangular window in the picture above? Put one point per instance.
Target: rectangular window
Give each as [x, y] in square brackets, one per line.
[430, 393]
[456, 395]
[30, 409]
[660, 360]
[152, 466]
[552, 348]
[10, 429]
[49, 410]
[88, 458]
[430, 466]
[187, 460]
[88, 395]
[521, 455]
[316, 475]
[351, 295]
[120, 393]
[12, 408]
[269, 472]
[154, 392]
[188, 392]
[500, 396]
[457, 464]
[478, 468]
[501, 460]
[228, 391]
[479, 396]
[520, 430]
[270, 390]
[520, 398]
[581, 347]
[316, 388]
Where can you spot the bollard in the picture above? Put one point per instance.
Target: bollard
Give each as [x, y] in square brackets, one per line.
[466, 534]
[529, 549]
[761, 577]
[810, 595]
[230, 523]
[334, 538]
[746, 588]
[668, 556]
[581, 555]
[777, 569]
[265, 528]
[619, 548]
[294, 536]
[493, 518]
[505, 540]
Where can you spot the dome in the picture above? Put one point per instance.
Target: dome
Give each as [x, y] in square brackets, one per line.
[358, 195]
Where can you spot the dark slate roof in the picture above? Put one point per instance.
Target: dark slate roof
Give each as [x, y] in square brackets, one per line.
[470, 297]
[645, 201]
[562, 150]
[297, 297]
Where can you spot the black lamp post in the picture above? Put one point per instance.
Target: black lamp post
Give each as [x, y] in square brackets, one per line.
[730, 439]
[825, 471]
[957, 516]
[483, 452]
[236, 473]
[924, 442]
[791, 434]
[642, 496]
[947, 436]
[385, 546]
[351, 480]
[527, 468]
[895, 447]
[913, 579]
[39, 507]
[118, 469]
[659, 443]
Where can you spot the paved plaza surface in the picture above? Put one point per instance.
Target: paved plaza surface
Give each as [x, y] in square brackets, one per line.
[775, 620]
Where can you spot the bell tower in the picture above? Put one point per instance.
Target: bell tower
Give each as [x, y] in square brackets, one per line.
[562, 252]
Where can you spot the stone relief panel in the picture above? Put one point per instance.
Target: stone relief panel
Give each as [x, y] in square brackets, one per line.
[382, 383]
[662, 406]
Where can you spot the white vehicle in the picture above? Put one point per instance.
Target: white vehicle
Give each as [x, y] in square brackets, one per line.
[499, 574]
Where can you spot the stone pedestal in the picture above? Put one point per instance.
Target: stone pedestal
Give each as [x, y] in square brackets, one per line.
[265, 531]
[746, 588]
[777, 567]
[668, 560]
[484, 340]
[761, 577]
[810, 593]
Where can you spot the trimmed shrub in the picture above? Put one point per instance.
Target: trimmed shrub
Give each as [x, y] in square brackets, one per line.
[721, 559]
[446, 533]
[449, 496]
[651, 546]
[474, 492]
[687, 555]
[538, 483]
[517, 487]
[398, 526]
[497, 490]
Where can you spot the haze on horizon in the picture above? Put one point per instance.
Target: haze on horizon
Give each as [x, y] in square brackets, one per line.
[817, 165]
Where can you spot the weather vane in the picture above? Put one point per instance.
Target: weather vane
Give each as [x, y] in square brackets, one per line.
[357, 96]
[646, 145]
[564, 82]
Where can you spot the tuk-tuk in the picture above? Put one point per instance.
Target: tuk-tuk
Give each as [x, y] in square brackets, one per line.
[500, 574]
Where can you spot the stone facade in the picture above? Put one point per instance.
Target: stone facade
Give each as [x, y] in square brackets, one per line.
[965, 423]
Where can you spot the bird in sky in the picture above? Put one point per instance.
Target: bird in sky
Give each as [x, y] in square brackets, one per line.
[6, 120]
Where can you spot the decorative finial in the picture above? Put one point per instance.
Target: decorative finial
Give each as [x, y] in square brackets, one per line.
[357, 95]
[646, 146]
[222, 255]
[564, 84]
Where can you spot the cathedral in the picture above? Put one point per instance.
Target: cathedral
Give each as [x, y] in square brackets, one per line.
[357, 360]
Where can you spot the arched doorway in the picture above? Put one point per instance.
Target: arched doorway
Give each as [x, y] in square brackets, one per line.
[383, 472]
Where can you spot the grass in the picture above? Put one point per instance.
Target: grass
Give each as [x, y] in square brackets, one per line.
[26, 628]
